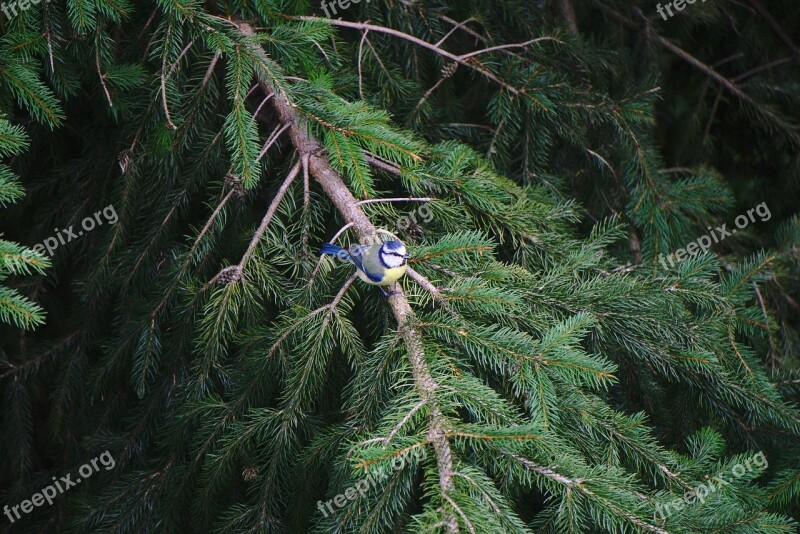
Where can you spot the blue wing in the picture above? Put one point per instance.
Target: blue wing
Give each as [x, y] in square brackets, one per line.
[357, 257]
[354, 255]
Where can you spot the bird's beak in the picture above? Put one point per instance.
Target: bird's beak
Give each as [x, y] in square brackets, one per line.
[406, 256]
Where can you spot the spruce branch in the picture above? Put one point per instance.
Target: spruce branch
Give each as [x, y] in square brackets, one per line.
[235, 272]
[320, 168]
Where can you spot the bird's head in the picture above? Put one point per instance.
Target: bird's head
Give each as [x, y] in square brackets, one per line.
[393, 254]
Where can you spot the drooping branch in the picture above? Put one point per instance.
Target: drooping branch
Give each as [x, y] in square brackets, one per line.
[348, 207]
[312, 151]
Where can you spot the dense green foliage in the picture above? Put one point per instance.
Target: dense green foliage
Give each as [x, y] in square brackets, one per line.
[542, 371]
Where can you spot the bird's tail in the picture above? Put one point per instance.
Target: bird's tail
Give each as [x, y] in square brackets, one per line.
[333, 250]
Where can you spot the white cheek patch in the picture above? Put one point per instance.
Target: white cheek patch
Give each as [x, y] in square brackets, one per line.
[392, 261]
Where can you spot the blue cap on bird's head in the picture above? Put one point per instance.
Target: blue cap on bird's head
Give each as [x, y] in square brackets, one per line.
[396, 252]
[393, 245]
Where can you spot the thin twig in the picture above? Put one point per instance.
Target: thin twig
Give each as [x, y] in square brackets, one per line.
[272, 138]
[210, 69]
[47, 31]
[100, 73]
[409, 199]
[508, 46]
[711, 116]
[360, 52]
[473, 33]
[306, 203]
[180, 57]
[377, 57]
[460, 512]
[332, 240]
[402, 422]
[273, 207]
[337, 299]
[772, 358]
[424, 98]
[416, 40]
[456, 26]
[760, 68]
[340, 232]
[261, 105]
[164, 83]
[383, 165]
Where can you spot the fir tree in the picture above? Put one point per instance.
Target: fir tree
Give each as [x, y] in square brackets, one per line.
[540, 370]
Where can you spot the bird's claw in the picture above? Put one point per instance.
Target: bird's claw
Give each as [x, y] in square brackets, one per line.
[389, 294]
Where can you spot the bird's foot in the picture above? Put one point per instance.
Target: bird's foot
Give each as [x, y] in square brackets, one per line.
[390, 293]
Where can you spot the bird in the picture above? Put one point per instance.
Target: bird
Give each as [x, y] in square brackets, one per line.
[380, 264]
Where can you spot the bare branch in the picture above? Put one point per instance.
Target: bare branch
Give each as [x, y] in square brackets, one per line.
[276, 133]
[210, 69]
[360, 52]
[383, 165]
[416, 40]
[456, 26]
[103, 79]
[507, 46]
[409, 199]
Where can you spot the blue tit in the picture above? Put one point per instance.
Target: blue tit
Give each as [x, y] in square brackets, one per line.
[381, 264]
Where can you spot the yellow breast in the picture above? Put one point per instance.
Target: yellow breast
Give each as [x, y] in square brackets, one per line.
[390, 276]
